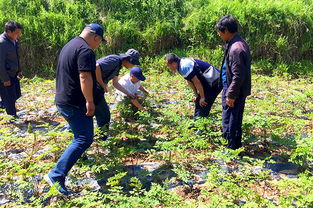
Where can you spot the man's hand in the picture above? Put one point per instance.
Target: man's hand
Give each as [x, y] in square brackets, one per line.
[105, 89]
[230, 102]
[194, 99]
[90, 106]
[7, 84]
[202, 102]
[20, 75]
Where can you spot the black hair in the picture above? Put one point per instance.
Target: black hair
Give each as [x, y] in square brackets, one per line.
[227, 22]
[12, 26]
[172, 57]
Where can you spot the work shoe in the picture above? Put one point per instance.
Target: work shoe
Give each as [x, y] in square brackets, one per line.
[59, 186]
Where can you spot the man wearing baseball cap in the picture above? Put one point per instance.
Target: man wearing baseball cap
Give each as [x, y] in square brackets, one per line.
[96, 29]
[75, 98]
[108, 68]
[132, 83]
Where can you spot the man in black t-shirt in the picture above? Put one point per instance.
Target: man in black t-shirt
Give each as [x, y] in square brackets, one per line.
[76, 98]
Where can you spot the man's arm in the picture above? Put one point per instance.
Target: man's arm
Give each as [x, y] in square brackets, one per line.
[194, 89]
[121, 88]
[199, 88]
[86, 84]
[99, 78]
[237, 68]
[141, 88]
[137, 104]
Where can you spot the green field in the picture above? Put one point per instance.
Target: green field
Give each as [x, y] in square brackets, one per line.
[155, 160]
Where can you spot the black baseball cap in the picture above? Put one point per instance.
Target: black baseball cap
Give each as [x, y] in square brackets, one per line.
[97, 29]
[137, 72]
[132, 56]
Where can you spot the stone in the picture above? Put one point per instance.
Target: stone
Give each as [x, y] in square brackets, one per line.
[278, 167]
[43, 151]
[90, 182]
[18, 156]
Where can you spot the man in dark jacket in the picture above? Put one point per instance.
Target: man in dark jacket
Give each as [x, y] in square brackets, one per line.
[235, 79]
[10, 70]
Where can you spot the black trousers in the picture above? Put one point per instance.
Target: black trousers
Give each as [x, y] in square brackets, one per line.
[210, 95]
[232, 121]
[10, 94]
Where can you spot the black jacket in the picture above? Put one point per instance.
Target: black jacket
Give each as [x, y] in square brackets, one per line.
[9, 58]
[238, 68]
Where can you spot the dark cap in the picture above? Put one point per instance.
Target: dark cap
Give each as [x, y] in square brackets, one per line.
[95, 28]
[137, 72]
[132, 56]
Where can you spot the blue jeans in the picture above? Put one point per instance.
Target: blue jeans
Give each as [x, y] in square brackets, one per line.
[102, 113]
[210, 95]
[82, 127]
[232, 121]
[10, 94]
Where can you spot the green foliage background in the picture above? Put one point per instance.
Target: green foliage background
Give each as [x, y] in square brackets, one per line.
[277, 30]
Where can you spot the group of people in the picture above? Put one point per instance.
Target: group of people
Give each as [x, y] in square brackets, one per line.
[81, 82]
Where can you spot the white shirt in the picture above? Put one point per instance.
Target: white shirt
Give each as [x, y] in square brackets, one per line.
[128, 85]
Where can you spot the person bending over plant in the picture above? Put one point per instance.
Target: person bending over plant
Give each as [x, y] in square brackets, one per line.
[193, 70]
[132, 83]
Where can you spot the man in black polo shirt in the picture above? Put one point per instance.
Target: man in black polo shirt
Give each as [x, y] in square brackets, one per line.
[108, 68]
[10, 70]
[75, 98]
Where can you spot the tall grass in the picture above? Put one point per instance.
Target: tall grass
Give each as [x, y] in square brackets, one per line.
[277, 30]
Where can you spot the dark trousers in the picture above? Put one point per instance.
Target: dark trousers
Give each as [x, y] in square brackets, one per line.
[82, 128]
[210, 95]
[232, 121]
[102, 113]
[10, 94]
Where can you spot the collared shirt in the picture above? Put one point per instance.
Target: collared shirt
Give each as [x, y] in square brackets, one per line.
[189, 68]
[224, 77]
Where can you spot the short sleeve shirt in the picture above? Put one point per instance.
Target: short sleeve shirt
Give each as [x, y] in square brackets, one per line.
[189, 68]
[110, 67]
[128, 84]
[75, 57]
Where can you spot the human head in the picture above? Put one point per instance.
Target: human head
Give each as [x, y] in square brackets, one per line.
[226, 27]
[13, 29]
[172, 60]
[130, 58]
[136, 73]
[93, 34]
